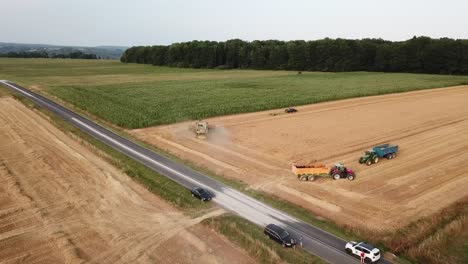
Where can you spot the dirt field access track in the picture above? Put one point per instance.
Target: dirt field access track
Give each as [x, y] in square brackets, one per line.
[429, 173]
[60, 203]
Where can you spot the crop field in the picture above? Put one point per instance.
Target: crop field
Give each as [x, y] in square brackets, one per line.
[259, 149]
[136, 96]
[61, 202]
[400, 202]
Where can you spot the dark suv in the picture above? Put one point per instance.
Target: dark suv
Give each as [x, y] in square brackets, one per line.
[201, 194]
[279, 235]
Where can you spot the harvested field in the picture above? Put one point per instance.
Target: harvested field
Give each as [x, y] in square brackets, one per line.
[258, 148]
[61, 203]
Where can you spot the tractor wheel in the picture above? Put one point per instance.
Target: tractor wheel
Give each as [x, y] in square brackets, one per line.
[388, 156]
[376, 160]
[393, 155]
[350, 177]
[337, 176]
[369, 162]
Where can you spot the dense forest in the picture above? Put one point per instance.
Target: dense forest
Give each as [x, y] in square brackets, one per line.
[418, 55]
[43, 54]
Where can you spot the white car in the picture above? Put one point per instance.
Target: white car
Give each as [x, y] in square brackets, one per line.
[371, 253]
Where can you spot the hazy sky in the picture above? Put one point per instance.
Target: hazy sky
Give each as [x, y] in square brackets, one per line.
[149, 22]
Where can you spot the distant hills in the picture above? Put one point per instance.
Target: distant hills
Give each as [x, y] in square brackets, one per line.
[104, 52]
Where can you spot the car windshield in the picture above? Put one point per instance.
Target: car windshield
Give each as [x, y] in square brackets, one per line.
[285, 234]
[201, 191]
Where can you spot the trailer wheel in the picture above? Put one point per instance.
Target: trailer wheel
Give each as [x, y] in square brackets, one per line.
[376, 160]
[369, 162]
[337, 176]
[311, 178]
[303, 178]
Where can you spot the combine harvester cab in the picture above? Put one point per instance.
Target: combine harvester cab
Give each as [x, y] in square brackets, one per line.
[376, 153]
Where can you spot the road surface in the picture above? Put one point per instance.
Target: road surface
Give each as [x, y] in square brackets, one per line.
[318, 242]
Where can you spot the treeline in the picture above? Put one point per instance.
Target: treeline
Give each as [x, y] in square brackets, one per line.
[34, 54]
[418, 55]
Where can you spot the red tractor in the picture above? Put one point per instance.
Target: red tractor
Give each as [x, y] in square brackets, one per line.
[339, 171]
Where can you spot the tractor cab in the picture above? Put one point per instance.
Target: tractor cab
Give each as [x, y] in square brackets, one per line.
[340, 166]
[339, 171]
[369, 157]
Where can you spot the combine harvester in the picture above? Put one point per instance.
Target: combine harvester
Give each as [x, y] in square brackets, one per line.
[201, 129]
[382, 151]
[311, 171]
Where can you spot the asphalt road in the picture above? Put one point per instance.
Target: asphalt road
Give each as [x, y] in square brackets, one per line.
[318, 242]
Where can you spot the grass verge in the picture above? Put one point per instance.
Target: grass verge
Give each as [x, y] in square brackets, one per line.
[439, 238]
[251, 238]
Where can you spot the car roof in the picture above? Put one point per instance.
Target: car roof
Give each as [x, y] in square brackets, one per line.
[366, 245]
[275, 228]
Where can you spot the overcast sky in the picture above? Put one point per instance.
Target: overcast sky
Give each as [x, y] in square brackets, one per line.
[150, 22]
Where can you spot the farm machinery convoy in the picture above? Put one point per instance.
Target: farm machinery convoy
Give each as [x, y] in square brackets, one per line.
[309, 172]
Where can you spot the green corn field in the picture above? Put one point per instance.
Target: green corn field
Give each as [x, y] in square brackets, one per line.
[136, 96]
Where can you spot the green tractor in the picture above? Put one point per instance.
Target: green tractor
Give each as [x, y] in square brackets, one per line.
[369, 157]
[382, 151]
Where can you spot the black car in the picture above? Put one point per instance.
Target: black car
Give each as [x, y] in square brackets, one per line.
[290, 110]
[202, 194]
[279, 235]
